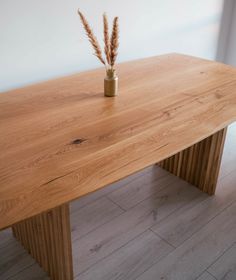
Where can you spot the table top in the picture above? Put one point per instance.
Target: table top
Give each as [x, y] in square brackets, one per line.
[62, 139]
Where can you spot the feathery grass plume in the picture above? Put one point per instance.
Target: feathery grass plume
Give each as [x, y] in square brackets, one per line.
[114, 41]
[107, 47]
[93, 40]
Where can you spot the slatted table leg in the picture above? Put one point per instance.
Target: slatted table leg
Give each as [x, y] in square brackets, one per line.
[47, 237]
[200, 163]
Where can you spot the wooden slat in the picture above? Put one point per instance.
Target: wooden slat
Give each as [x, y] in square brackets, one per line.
[200, 163]
[62, 139]
[47, 238]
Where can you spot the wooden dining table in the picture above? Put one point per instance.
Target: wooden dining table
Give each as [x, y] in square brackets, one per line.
[62, 139]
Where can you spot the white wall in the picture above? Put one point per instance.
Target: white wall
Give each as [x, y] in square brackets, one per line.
[41, 39]
[226, 51]
[230, 56]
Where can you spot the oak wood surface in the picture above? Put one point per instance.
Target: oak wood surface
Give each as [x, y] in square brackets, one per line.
[122, 247]
[62, 139]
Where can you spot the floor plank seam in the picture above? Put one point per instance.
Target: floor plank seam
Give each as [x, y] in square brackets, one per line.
[155, 264]
[163, 239]
[136, 235]
[202, 273]
[153, 194]
[147, 197]
[85, 205]
[212, 275]
[82, 236]
[206, 269]
[76, 275]
[4, 246]
[125, 211]
[186, 241]
[175, 210]
[188, 208]
[116, 203]
[122, 247]
[224, 176]
[25, 268]
[108, 192]
[227, 249]
[206, 223]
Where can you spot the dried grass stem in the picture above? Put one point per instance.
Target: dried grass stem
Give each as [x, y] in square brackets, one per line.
[114, 41]
[92, 38]
[111, 43]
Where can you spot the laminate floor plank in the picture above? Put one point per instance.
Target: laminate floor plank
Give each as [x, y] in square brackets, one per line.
[6, 238]
[229, 155]
[129, 261]
[206, 276]
[196, 254]
[13, 259]
[115, 234]
[182, 224]
[225, 267]
[33, 272]
[141, 188]
[93, 215]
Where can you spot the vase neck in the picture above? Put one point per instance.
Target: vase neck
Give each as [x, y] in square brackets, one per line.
[111, 73]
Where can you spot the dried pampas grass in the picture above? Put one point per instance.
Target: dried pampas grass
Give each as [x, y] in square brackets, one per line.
[114, 41]
[111, 43]
[93, 40]
[107, 47]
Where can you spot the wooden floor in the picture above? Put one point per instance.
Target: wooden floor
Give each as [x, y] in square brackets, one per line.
[148, 226]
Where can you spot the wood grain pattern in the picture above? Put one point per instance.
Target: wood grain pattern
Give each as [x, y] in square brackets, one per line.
[225, 266]
[203, 248]
[130, 254]
[139, 254]
[108, 238]
[182, 224]
[89, 198]
[62, 139]
[199, 164]
[47, 238]
[91, 217]
[141, 188]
